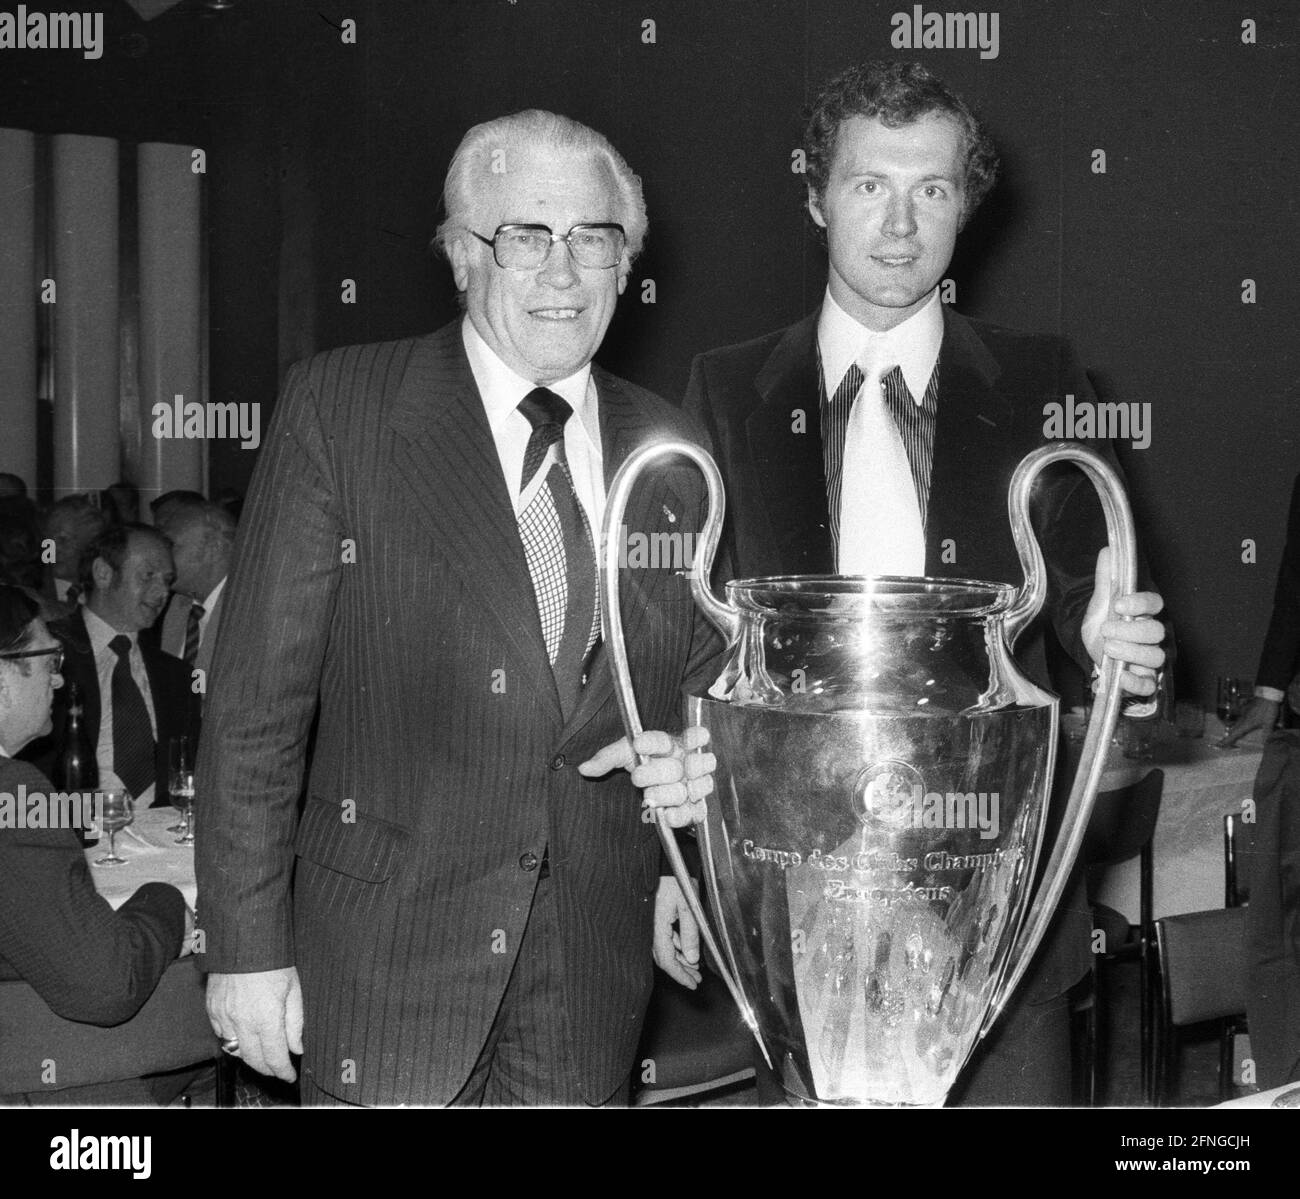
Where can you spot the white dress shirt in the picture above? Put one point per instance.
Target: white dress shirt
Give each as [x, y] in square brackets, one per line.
[502, 389]
[913, 345]
[880, 525]
[101, 633]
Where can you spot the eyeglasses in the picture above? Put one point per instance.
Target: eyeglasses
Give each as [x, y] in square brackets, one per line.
[56, 653]
[527, 247]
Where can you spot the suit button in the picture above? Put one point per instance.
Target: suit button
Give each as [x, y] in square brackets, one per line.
[557, 762]
[528, 861]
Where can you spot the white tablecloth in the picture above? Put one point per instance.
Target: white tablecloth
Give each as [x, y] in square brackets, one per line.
[1261, 1098]
[152, 856]
[1202, 785]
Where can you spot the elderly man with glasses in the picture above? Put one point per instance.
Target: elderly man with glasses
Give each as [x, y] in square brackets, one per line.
[475, 889]
[88, 962]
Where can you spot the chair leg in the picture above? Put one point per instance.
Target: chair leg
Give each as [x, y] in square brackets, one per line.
[1146, 1014]
[227, 1068]
[1227, 1047]
[1164, 1051]
[1090, 1045]
[1083, 1040]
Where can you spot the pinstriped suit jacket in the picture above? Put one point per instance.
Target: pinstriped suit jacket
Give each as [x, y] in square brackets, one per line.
[379, 571]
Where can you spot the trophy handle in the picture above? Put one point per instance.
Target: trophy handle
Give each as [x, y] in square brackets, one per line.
[726, 618]
[1106, 705]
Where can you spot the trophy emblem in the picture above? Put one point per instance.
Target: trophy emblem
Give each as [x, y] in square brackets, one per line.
[871, 847]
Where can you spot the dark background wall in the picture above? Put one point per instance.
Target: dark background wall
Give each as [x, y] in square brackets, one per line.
[326, 162]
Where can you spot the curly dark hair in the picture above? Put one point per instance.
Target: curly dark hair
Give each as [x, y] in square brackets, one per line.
[896, 93]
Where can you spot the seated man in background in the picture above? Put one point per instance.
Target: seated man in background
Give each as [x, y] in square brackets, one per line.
[72, 523]
[135, 697]
[87, 962]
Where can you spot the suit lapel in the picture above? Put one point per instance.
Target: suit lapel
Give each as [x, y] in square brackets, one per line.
[971, 429]
[445, 455]
[624, 426]
[203, 659]
[787, 457]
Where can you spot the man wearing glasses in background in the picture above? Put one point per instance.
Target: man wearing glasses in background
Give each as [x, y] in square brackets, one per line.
[89, 963]
[475, 890]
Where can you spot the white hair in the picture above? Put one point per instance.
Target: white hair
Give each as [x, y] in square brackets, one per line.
[534, 127]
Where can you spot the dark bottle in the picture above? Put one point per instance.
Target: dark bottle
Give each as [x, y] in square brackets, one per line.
[75, 767]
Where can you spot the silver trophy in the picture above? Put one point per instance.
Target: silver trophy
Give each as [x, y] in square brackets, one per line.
[872, 843]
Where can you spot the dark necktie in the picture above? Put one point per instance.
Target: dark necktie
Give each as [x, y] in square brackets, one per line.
[191, 650]
[133, 744]
[559, 548]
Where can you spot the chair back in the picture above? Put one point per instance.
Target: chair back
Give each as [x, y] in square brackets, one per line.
[1238, 859]
[1122, 826]
[1123, 821]
[1203, 965]
[41, 1052]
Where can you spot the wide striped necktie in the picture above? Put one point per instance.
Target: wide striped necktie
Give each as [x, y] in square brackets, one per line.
[192, 638]
[559, 548]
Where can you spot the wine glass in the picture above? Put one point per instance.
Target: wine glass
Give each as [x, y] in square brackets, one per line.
[180, 785]
[116, 812]
[1228, 707]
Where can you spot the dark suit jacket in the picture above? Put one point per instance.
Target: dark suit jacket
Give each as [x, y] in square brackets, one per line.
[1279, 662]
[993, 383]
[58, 934]
[176, 707]
[1273, 914]
[379, 570]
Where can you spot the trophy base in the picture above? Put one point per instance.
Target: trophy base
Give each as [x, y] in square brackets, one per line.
[793, 1100]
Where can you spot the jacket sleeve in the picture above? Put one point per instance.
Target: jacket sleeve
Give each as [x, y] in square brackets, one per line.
[1071, 527]
[1280, 660]
[88, 962]
[266, 671]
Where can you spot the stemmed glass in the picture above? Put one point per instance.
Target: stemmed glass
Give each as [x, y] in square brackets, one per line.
[117, 812]
[180, 784]
[1228, 707]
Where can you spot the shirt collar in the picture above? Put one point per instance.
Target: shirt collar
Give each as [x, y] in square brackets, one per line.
[101, 633]
[502, 389]
[212, 597]
[914, 344]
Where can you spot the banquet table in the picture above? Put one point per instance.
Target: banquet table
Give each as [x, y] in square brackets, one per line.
[152, 856]
[1203, 783]
[1267, 1098]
